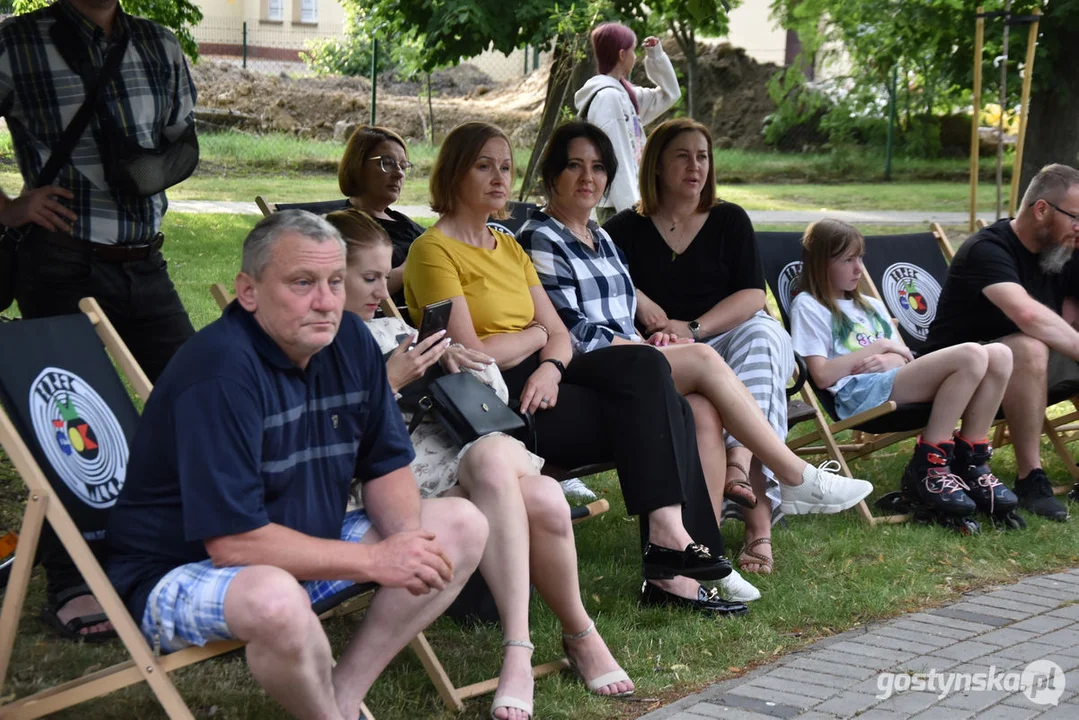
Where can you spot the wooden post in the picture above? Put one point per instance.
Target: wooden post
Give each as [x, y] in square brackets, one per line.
[979, 36]
[1024, 111]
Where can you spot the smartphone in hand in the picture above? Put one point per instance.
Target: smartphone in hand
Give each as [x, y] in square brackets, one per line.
[436, 316]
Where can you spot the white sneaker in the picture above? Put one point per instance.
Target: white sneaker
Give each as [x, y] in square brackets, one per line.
[736, 588]
[574, 488]
[823, 491]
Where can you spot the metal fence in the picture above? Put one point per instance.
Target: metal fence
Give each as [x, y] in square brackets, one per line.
[275, 46]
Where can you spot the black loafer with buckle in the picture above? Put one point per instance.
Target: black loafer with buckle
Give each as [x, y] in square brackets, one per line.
[696, 562]
[708, 601]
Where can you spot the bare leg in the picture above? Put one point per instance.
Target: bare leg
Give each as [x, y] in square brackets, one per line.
[395, 615]
[948, 378]
[287, 649]
[712, 451]
[699, 369]
[554, 571]
[982, 409]
[1025, 399]
[491, 474]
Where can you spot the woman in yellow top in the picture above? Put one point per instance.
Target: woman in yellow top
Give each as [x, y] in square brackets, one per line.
[618, 403]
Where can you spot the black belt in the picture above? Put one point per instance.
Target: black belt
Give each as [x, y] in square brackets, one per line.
[108, 253]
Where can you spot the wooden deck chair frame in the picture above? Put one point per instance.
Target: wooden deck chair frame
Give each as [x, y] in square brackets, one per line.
[44, 505]
[1060, 430]
[452, 695]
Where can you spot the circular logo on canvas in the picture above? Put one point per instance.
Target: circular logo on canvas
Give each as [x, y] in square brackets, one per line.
[79, 435]
[788, 284]
[911, 294]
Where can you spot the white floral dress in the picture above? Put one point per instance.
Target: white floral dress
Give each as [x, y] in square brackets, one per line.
[437, 456]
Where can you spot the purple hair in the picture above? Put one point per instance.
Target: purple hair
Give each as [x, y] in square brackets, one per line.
[608, 40]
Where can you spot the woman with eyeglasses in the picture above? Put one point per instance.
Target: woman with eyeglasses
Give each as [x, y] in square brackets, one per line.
[371, 174]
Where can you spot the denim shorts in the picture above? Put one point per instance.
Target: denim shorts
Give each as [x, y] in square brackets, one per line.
[864, 392]
[187, 606]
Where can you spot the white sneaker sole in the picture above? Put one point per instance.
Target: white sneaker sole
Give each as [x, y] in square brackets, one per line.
[802, 507]
[737, 589]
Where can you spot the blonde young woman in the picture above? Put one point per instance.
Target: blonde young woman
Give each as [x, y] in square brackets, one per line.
[531, 534]
[695, 265]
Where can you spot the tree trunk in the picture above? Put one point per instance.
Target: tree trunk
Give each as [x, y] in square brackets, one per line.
[571, 67]
[1054, 101]
[683, 35]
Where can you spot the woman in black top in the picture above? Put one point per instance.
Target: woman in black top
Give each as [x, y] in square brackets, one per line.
[371, 174]
[694, 262]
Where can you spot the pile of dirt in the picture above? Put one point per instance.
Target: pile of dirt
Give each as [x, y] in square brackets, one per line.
[732, 99]
[310, 107]
[732, 93]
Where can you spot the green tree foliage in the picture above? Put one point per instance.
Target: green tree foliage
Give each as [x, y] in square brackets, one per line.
[177, 15]
[928, 43]
[686, 19]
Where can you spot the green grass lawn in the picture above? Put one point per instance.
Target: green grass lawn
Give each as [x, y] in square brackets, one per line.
[832, 573]
[282, 168]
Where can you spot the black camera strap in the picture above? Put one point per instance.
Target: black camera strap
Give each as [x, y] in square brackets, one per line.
[63, 36]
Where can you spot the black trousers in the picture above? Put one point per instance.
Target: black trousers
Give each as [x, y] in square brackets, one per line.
[620, 404]
[140, 301]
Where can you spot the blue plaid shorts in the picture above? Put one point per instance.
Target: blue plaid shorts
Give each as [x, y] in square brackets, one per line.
[187, 606]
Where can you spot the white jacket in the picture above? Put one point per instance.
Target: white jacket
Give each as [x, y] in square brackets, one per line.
[613, 112]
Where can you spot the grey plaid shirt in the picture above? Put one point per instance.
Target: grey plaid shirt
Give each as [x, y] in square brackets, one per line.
[150, 98]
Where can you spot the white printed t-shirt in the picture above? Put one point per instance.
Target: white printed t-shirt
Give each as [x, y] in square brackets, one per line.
[812, 329]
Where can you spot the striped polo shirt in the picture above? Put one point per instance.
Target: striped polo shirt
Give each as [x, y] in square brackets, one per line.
[234, 437]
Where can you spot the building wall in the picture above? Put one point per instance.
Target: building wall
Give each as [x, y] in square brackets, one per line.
[221, 30]
[752, 28]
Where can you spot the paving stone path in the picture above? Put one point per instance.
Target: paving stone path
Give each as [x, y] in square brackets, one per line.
[987, 639]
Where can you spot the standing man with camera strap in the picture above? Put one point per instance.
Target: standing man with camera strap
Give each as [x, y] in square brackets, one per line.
[87, 224]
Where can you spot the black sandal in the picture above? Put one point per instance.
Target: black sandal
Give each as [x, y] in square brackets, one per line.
[71, 628]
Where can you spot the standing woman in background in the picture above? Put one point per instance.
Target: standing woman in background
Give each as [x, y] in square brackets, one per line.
[622, 109]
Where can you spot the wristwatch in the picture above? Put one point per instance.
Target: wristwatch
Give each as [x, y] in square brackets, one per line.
[557, 363]
[695, 329]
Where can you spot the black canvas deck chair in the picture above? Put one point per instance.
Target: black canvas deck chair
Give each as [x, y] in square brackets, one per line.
[879, 427]
[518, 215]
[318, 207]
[65, 422]
[907, 272]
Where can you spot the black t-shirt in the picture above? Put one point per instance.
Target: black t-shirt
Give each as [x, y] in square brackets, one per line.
[991, 256]
[402, 231]
[721, 260]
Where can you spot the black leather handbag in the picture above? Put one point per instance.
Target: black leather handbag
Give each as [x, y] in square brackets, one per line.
[467, 408]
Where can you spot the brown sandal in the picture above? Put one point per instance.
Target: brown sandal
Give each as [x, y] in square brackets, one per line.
[764, 561]
[740, 491]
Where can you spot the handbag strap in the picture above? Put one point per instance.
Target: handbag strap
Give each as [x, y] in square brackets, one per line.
[61, 152]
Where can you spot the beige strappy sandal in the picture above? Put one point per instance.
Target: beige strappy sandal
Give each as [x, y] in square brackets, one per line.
[508, 701]
[603, 680]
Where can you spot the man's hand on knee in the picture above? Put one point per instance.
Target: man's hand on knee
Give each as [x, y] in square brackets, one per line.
[411, 560]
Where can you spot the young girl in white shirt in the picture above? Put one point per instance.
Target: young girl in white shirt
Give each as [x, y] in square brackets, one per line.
[852, 349]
